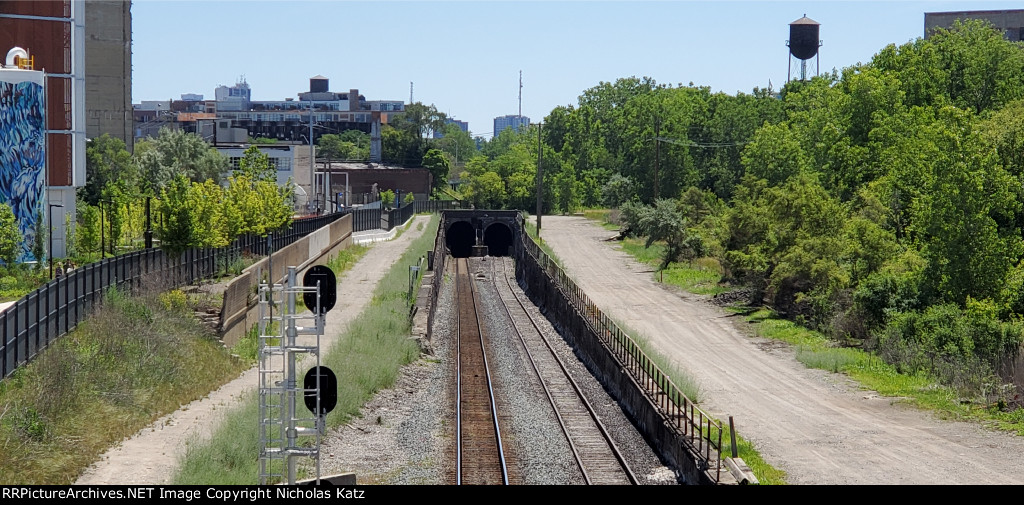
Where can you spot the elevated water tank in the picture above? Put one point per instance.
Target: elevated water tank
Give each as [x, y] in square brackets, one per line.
[318, 84]
[803, 38]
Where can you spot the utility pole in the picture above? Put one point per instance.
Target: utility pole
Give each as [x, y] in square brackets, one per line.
[520, 96]
[657, 154]
[410, 93]
[312, 158]
[540, 176]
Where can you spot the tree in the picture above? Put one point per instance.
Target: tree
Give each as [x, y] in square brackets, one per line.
[177, 152]
[175, 226]
[10, 236]
[348, 145]
[438, 165]
[486, 191]
[774, 154]
[39, 251]
[256, 165]
[617, 191]
[456, 143]
[407, 144]
[107, 161]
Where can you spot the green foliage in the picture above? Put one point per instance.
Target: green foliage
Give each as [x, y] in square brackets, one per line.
[39, 251]
[87, 230]
[175, 225]
[130, 363]
[387, 198]
[347, 145]
[963, 346]
[10, 235]
[256, 166]
[107, 162]
[617, 191]
[173, 153]
[438, 165]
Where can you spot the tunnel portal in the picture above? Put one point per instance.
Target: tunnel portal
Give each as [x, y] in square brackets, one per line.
[496, 229]
[460, 239]
[498, 239]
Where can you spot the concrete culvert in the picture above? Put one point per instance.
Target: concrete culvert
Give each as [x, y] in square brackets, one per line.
[460, 238]
[498, 239]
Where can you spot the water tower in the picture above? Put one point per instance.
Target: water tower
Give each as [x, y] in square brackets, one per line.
[803, 45]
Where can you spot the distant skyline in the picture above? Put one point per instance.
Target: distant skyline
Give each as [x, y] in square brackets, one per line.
[465, 56]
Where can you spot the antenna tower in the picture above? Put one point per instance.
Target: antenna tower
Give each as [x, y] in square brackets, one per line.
[520, 93]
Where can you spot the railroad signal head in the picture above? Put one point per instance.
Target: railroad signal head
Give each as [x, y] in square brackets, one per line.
[328, 389]
[328, 288]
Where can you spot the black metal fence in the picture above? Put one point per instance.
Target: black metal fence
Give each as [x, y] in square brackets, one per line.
[437, 205]
[52, 310]
[700, 430]
[365, 219]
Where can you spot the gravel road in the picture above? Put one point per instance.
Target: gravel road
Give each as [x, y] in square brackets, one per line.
[819, 427]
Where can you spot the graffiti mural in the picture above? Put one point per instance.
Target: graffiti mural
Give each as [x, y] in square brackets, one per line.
[22, 152]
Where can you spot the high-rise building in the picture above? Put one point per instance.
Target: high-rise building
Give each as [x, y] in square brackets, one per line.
[511, 121]
[463, 125]
[85, 50]
[1010, 22]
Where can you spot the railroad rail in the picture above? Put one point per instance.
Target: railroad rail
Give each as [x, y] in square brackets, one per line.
[596, 454]
[480, 455]
[698, 431]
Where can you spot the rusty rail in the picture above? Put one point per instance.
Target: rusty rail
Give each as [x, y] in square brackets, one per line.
[701, 431]
[480, 455]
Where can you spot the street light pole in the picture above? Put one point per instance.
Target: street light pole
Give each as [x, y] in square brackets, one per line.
[49, 223]
[103, 243]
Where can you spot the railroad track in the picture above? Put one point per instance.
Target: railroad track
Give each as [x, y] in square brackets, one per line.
[480, 456]
[596, 454]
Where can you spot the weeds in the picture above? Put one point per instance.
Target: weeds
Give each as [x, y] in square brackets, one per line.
[135, 359]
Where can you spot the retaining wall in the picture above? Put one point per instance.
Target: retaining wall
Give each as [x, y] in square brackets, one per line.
[684, 453]
[238, 311]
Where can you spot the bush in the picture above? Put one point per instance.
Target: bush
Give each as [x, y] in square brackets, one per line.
[961, 346]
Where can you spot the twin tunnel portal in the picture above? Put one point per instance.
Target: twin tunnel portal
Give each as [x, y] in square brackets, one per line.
[481, 232]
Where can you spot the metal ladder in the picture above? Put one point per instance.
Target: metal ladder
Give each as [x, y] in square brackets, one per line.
[280, 424]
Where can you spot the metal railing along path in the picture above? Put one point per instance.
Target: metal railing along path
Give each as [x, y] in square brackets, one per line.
[55, 308]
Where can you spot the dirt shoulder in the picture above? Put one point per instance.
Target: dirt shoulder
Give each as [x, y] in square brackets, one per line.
[818, 427]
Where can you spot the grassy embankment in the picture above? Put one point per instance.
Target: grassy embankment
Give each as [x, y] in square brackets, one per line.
[689, 386]
[134, 360]
[366, 358]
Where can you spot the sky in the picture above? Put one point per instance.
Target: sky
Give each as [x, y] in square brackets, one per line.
[465, 57]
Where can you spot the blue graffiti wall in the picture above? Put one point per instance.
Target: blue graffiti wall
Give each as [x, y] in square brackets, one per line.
[22, 151]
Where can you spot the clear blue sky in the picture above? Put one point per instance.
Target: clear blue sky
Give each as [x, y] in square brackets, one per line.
[465, 56]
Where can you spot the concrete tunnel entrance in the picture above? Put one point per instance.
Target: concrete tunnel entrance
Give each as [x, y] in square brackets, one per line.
[460, 239]
[498, 239]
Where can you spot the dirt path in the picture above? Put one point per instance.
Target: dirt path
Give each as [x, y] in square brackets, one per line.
[151, 456]
[817, 426]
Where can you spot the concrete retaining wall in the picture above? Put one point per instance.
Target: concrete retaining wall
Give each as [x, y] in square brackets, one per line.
[238, 312]
[672, 445]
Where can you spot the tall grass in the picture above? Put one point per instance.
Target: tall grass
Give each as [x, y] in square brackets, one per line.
[134, 360]
[816, 351]
[366, 359]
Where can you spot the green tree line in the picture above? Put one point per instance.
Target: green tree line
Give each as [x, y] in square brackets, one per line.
[880, 204]
[196, 201]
